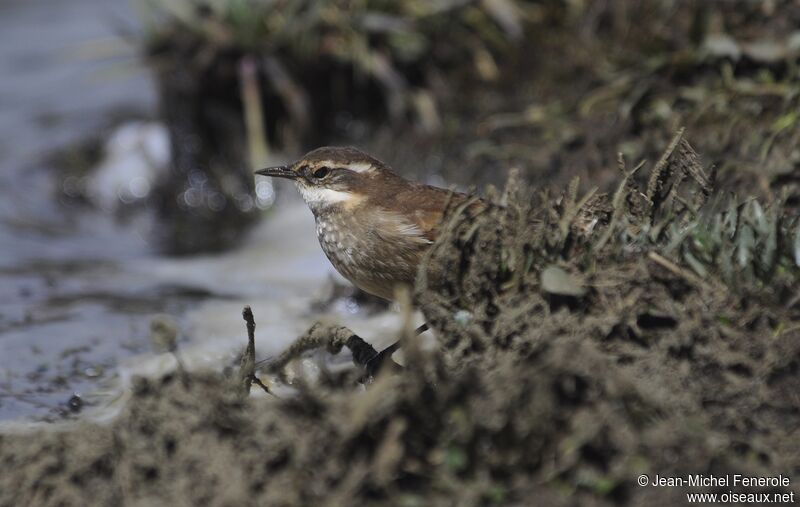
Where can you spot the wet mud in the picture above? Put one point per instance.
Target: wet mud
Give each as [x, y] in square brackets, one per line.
[583, 336]
[574, 353]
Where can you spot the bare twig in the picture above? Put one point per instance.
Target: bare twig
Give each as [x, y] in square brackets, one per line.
[247, 366]
[329, 336]
[253, 112]
[674, 268]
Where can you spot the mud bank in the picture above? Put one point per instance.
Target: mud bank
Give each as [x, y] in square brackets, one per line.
[579, 347]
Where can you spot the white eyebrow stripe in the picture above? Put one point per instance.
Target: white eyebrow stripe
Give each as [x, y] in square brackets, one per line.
[359, 167]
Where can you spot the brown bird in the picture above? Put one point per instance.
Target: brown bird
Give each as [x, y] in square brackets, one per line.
[373, 225]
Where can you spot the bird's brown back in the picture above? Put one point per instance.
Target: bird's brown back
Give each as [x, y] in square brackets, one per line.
[424, 205]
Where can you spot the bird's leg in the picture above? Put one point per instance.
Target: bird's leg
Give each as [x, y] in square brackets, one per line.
[376, 362]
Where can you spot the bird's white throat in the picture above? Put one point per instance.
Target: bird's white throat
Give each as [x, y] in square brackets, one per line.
[320, 198]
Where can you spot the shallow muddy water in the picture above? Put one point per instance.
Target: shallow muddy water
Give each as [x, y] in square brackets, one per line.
[78, 288]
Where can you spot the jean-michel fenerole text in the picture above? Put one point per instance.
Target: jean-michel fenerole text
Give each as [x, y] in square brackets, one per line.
[727, 480]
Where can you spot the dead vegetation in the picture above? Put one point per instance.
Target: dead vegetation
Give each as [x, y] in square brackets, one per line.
[582, 341]
[313, 60]
[238, 78]
[607, 77]
[651, 325]
[556, 88]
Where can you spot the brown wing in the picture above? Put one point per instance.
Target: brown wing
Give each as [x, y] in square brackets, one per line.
[405, 225]
[425, 206]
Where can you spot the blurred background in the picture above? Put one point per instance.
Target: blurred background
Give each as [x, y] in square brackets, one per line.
[129, 130]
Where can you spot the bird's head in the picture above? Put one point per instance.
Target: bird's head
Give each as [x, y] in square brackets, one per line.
[336, 176]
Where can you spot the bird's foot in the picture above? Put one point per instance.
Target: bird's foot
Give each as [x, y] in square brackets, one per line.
[377, 362]
[382, 359]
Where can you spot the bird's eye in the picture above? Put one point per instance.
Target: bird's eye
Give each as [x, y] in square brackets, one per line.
[321, 172]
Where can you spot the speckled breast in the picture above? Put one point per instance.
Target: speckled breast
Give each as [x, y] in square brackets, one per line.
[362, 255]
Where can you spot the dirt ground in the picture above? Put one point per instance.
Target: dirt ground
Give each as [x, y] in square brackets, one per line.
[570, 361]
[583, 337]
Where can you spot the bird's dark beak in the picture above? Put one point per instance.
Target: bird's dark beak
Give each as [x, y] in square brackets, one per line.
[280, 171]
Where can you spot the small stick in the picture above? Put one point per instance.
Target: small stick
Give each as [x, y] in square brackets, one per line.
[247, 368]
[257, 381]
[674, 268]
[331, 337]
